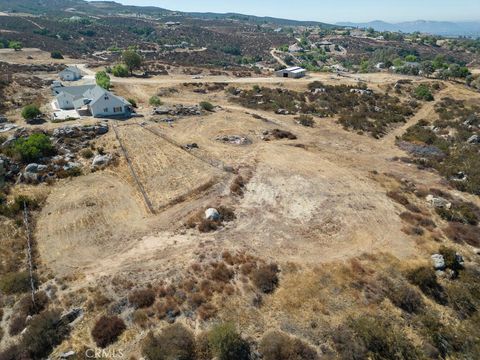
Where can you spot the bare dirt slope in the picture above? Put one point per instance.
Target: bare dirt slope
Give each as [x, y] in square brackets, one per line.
[88, 218]
[312, 202]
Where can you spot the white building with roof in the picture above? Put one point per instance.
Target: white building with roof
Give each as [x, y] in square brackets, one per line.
[71, 73]
[294, 72]
[91, 100]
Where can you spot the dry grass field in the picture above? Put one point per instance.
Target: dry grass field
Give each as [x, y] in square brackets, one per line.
[316, 205]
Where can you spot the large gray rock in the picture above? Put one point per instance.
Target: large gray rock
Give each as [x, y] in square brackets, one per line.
[438, 262]
[101, 160]
[212, 214]
[474, 139]
[439, 202]
[71, 165]
[101, 129]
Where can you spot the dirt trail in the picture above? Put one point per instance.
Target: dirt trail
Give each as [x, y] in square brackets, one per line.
[273, 52]
[426, 112]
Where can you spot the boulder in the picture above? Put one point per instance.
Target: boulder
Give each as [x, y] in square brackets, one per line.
[439, 202]
[102, 129]
[191, 146]
[282, 112]
[71, 165]
[474, 139]
[234, 139]
[31, 168]
[438, 262]
[67, 354]
[101, 160]
[212, 214]
[9, 140]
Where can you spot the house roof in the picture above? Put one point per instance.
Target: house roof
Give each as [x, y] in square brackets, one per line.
[75, 91]
[72, 69]
[87, 94]
[294, 69]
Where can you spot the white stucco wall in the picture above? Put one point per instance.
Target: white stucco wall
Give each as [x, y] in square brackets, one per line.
[65, 101]
[104, 107]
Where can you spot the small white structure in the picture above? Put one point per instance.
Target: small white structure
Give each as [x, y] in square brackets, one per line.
[294, 72]
[92, 100]
[71, 73]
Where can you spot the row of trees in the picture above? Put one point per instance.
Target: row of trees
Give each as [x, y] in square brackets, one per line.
[10, 44]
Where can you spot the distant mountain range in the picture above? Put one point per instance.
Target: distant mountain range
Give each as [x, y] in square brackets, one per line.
[79, 7]
[444, 28]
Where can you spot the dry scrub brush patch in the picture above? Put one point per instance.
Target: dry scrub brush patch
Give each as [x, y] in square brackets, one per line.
[461, 233]
[378, 338]
[142, 298]
[107, 329]
[174, 342]
[426, 279]
[276, 345]
[265, 277]
[225, 343]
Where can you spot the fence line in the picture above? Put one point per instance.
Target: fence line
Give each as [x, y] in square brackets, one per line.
[134, 174]
[29, 249]
[174, 143]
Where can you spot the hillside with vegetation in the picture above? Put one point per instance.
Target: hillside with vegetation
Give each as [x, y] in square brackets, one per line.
[222, 210]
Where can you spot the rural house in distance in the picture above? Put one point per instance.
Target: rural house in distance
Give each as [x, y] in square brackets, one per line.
[71, 73]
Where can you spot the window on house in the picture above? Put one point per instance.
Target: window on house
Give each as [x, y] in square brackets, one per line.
[105, 110]
[117, 109]
[106, 97]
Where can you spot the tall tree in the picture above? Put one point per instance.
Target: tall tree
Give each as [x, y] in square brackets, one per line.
[132, 60]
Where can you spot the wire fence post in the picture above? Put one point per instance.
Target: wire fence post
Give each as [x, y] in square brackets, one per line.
[29, 250]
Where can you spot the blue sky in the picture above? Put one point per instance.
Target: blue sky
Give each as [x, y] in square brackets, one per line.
[332, 10]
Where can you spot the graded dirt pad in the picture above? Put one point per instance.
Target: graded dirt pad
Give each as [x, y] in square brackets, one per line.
[167, 173]
[313, 210]
[86, 219]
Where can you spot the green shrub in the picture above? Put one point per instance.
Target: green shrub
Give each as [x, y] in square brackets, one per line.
[56, 54]
[279, 346]
[32, 148]
[422, 92]
[31, 112]
[425, 278]
[227, 344]
[103, 80]
[15, 282]
[205, 105]
[107, 329]
[450, 258]
[133, 102]
[44, 332]
[120, 71]
[155, 101]
[174, 342]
